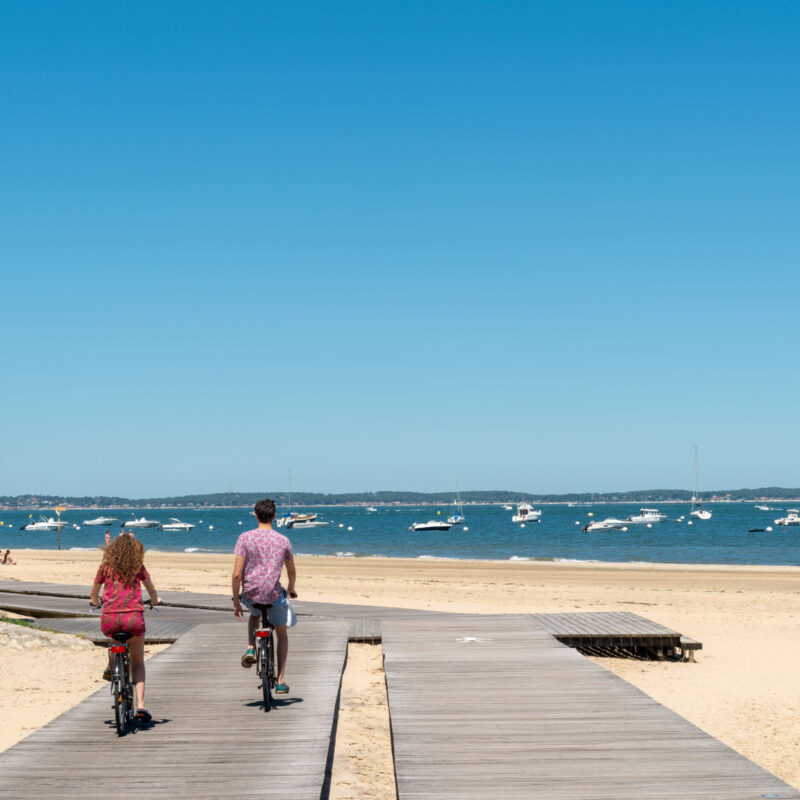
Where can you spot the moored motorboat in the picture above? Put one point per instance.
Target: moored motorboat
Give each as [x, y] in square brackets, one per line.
[176, 525]
[100, 521]
[646, 515]
[430, 525]
[43, 524]
[140, 523]
[527, 513]
[792, 518]
[608, 524]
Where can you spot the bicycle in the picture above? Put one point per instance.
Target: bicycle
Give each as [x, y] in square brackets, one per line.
[265, 655]
[122, 687]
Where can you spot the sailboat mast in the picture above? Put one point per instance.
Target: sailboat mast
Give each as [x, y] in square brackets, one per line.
[694, 491]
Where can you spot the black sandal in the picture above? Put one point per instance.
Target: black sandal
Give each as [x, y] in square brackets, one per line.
[144, 715]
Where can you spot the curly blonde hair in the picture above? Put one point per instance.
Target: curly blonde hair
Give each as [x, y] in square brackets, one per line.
[124, 557]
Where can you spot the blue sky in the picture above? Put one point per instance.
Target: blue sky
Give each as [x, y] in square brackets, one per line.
[552, 244]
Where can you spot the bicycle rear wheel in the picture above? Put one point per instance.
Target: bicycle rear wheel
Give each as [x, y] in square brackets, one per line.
[266, 688]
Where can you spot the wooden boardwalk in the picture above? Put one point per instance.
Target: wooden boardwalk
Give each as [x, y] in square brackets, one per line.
[481, 706]
[487, 706]
[210, 739]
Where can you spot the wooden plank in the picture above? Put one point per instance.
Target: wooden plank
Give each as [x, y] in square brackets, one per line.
[210, 738]
[481, 708]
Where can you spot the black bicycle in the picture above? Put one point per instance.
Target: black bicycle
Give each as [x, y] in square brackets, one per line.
[122, 688]
[265, 654]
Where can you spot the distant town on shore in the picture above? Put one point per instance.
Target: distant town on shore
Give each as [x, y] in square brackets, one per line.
[244, 499]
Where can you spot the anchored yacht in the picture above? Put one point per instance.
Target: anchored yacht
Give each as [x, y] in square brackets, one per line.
[100, 521]
[527, 513]
[140, 523]
[792, 518]
[646, 515]
[608, 524]
[176, 525]
[44, 524]
[431, 525]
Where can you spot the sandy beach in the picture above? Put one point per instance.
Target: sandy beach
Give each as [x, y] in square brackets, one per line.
[743, 689]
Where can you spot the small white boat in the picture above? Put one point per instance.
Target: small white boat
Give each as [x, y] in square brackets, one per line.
[140, 523]
[371, 508]
[608, 524]
[309, 523]
[792, 518]
[44, 525]
[527, 513]
[100, 521]
[176, 525]
[698, 512]
[764, 508]
[508, 508]
[457, 517]
[430, 525]
[646, 515]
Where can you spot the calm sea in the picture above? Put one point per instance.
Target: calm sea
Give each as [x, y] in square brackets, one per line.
[488, 534]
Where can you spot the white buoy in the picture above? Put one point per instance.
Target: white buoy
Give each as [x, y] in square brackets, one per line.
[77, 527]
[349, 527]
[341, 525]
[649, 525]
[689, 522]
[466, 529]
[625, 529]
[577, 522]
[769, 528]
[211, 527]
[201, 522]
[240, 522]
[590, 514]
[522, 525]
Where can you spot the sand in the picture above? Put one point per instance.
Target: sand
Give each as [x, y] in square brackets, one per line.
[744, 689]
[44, 675]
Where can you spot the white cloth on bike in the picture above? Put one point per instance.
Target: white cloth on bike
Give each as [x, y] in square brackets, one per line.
[281, 612]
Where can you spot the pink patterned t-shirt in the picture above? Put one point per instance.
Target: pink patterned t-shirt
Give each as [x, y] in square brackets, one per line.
[118, 596]
[264, 551]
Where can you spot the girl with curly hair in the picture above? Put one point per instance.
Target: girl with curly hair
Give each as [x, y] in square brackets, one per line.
[122, 573]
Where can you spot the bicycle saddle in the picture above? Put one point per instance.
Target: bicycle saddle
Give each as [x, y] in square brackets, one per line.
[262, 606]
[122, 636]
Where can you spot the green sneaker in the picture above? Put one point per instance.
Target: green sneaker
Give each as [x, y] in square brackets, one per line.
[249, 658]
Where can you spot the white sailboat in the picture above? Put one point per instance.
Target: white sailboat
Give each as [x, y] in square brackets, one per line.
[457, 517]
[286, 518]
[697, 504]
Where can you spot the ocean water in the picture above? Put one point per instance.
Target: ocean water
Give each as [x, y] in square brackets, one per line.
[488, 534]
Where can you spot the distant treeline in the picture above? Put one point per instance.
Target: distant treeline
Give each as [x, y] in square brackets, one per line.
[378, 498]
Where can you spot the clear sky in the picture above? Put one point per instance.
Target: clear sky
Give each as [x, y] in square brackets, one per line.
[552, 244]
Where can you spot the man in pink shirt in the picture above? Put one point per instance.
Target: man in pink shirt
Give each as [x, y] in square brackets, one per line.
[260, 556]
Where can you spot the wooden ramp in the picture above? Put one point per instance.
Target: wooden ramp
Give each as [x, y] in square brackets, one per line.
[210, 738]
[487, 706]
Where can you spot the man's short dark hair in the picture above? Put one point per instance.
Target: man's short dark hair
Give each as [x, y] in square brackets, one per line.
[265, 510]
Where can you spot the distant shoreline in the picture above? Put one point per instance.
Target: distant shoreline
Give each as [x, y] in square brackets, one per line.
[429, 504]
